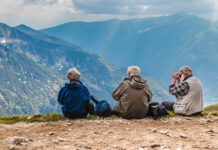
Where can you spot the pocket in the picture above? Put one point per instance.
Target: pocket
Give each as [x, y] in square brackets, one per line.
[180, 108]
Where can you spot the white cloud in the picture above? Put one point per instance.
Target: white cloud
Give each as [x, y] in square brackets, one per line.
[45, 13]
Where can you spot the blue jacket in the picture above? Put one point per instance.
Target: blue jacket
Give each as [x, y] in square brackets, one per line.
[74, 96]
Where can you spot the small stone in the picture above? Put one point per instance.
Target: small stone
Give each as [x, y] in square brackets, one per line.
[29, 117]
[205, 147]
[95, 132]
[210, 121]
[11, 147]
[164, 132]
[31, 140]
[169, 134]
[155, 145]
[127, 129]
[69, 123]
[210, 131]
[188, 118]
[51, 133]
[183, 136]
[70, 129]
[154, 129]
[15, 140]
[179, 148]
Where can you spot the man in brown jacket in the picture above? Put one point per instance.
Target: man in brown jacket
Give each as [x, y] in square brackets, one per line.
[133, 95]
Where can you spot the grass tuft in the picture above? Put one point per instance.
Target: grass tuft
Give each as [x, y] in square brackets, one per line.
[210, 110]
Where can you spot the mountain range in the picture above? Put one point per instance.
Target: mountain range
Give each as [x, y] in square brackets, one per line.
[33, 66]
[159, 45]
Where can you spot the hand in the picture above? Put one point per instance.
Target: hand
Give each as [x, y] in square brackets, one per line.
[175, 76]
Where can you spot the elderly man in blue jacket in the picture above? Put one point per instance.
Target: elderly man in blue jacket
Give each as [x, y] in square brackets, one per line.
[74, 96]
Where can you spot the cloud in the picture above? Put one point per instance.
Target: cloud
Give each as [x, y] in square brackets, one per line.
[45, 13]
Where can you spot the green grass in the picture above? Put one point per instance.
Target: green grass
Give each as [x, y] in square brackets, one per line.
[43, 118]
[32, 118]
[210, 110]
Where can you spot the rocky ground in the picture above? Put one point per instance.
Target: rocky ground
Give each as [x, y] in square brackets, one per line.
[176, 133]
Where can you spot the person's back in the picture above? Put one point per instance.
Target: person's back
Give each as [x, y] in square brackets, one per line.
[189, 93]
[192, 102]
[74, 97]
[133, 95]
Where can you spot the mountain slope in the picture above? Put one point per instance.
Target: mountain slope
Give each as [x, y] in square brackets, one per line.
[33, 69]
[160, 45]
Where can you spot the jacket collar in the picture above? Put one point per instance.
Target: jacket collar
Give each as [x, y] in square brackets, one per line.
[187, 77]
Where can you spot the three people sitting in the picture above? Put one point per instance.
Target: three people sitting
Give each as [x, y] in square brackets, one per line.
[133, 95]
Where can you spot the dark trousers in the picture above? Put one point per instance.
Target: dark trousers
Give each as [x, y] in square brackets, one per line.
[168, 105]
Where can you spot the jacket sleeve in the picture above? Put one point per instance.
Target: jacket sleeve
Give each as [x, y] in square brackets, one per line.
[148, 92]
[61, 96]
[118, 92]
[180, 90]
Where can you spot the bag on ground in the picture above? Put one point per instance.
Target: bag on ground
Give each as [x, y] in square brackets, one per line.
[156, 110]
[102, 108]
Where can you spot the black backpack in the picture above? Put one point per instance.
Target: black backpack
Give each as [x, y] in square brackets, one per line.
[102, 108]
[156, 110]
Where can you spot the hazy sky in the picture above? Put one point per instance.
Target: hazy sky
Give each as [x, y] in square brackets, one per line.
[46, 13]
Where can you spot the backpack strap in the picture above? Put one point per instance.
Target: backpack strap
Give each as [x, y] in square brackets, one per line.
[94, 100]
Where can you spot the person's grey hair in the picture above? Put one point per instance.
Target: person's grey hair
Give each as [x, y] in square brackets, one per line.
[73, 74]
[186, 70]
[133, 70]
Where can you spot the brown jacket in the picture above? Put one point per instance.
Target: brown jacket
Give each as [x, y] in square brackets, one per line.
[133, 95]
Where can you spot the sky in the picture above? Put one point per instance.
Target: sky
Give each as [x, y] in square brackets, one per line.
[47, 13]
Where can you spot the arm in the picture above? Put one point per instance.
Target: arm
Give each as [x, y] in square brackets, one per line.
[148, 92]
[87, 93]
[180, 90]
[61, 96]
[118, 92]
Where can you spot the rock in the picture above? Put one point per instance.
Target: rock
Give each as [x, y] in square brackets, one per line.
[51, 133]
[166, 133]
[70, 129]
[95, 132]
[69, 123]
[210, 121]
[29, 117]
[205, 147]
[31, 140]
[183, 136]
[154, 129]
[155, 145]
[11, 147]
[211, 131]
[15, 140]
[169, 134]
[127, 129]
[179, 148]
[188, 118]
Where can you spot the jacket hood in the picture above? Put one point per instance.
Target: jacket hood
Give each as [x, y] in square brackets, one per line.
[73, 84]
[136, 82]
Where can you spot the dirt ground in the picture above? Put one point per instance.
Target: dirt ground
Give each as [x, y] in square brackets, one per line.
[176, 133]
